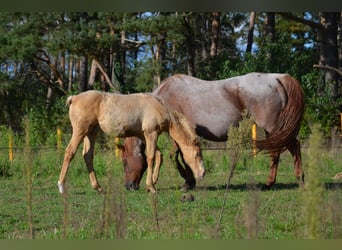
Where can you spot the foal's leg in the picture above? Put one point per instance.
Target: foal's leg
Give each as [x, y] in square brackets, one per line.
[70, 151]
[273, 169]
[151, 147]
[157, 163]
[294, 149]
[88, 155]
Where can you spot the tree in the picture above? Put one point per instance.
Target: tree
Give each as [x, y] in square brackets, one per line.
[250, 32]
[326, 28]
[215, 33]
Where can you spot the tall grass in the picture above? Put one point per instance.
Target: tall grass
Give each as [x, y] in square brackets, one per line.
[28, 168]
[239, 138]
[112, 222]
[313, 192]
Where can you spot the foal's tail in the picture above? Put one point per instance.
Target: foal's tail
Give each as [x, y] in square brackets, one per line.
[69, 100]
[290, 118]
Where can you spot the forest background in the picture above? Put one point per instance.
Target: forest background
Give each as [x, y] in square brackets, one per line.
[46, 56]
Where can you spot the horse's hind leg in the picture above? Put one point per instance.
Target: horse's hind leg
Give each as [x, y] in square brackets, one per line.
[70, 151]
[294, 149]
[88, 155]
[273, 169]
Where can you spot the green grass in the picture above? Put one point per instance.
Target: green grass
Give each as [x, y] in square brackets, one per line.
[247, 212]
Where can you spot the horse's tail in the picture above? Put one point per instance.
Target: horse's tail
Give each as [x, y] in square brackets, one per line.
[69, 100]
[290, 118]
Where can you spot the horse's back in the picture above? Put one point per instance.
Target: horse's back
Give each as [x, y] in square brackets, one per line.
[212, 106]
[132, 114]
[84, 108]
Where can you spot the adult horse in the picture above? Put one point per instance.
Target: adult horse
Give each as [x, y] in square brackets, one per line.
[275, 100]
[140, 115]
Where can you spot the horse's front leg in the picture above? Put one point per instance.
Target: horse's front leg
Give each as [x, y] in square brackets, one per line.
[151, 147]
[69, 154]
[158, 159]
[88, 156]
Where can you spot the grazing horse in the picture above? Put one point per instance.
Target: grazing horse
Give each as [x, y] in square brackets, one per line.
[133, 157]
[140, 115]
[275, 100]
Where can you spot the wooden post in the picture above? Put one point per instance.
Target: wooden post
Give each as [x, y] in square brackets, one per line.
[59, 139]
[254, 137]
[341, 123]
[10, 145]
[116, 142]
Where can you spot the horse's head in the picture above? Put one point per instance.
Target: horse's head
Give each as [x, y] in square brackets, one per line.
[192, 155]
[187, 141]
[134, 162]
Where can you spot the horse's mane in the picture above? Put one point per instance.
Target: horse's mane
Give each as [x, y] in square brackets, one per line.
[180, 120]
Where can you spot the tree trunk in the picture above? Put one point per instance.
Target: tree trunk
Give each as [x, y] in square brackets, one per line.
[327, 37]
[70, 73]
[160, 56]
[190, 46]
[340, 42]
[62, 67]
[83, 75]
[123, 57]
[215, 32]
[269, 28]
[250, 32]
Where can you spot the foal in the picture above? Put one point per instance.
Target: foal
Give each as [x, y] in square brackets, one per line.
[140, 115]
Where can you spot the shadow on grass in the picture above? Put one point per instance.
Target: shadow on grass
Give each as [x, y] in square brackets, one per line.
[262, 187]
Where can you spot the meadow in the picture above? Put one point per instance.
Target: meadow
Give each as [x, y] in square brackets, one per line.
[31, 206]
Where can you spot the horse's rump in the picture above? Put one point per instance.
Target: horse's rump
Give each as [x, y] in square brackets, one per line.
[287, 127]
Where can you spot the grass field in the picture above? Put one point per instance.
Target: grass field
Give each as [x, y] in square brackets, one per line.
[243, 211]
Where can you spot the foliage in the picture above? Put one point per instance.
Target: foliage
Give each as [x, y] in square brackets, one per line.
[137, 50]
[320, 108]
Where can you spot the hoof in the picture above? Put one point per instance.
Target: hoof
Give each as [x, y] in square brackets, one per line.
[99, 190]
[60, 187]
[266, 187]
[151, 189]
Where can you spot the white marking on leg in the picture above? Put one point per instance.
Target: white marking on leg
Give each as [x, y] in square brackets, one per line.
[60, 187]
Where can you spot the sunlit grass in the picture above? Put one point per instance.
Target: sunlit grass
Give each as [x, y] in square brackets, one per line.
[248, 213]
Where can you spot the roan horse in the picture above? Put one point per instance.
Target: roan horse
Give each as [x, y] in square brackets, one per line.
[140, 115]
[275, 100]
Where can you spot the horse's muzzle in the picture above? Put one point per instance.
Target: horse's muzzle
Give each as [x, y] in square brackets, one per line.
[131, 186]
[200, 174]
